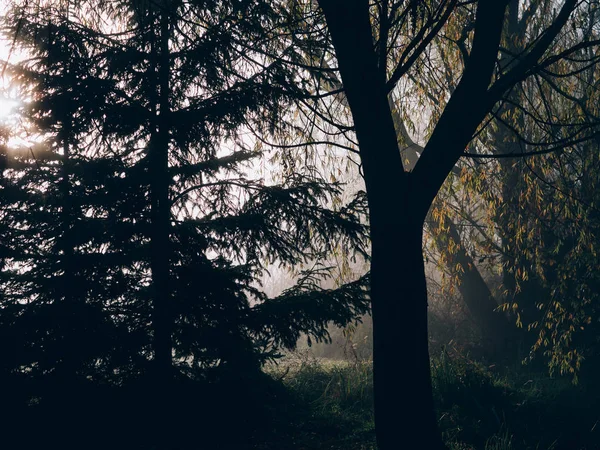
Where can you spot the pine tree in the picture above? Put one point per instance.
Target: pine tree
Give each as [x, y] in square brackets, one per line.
[57, 275]
[152, 211]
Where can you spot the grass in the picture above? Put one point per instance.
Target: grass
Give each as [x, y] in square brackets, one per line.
[479, 407]
[333, 401]
[304, 403]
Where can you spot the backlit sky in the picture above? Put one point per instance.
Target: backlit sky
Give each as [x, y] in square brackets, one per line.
[7, 101]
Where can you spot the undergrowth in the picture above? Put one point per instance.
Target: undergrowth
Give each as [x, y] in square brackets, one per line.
[479, 407]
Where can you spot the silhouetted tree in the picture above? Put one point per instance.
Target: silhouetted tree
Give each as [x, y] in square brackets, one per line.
[367, 41]
[142, 110]
[59, 268]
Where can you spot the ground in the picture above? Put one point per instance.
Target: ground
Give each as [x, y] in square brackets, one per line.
[479, 406]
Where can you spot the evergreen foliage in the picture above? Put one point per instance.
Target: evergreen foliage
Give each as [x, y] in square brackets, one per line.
[139, 105]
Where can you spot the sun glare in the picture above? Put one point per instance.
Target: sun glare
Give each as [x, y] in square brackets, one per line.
[6, 107]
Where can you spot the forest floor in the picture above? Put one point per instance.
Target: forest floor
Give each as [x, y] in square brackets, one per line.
[303, 403]
[479, 407]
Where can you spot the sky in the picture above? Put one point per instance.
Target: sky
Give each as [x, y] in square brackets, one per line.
[7, 95]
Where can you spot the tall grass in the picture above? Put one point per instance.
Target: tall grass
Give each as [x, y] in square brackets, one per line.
[501, 441]
[338, 396]
[478, 406]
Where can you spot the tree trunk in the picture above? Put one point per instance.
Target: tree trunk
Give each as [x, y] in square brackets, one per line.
[476, 294]
[160, 215]
[495, 327]
[67, 367]
[398, 203]
[402, 379]
[399, 200]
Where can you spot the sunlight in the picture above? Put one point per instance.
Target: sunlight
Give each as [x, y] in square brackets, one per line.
[8, 55]
[7, 106]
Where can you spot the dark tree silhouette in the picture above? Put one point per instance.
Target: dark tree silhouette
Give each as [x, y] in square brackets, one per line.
[398, 199]
[139, 220]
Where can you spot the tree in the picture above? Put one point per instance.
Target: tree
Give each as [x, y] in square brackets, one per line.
[517, 207]
[162, 199]
[399, 200]
[58, 270]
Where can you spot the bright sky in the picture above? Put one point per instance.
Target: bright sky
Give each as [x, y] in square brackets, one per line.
[7, 95]
[7, 100]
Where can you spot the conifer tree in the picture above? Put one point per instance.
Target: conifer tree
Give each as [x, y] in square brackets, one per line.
[166, 228]
[58, 271]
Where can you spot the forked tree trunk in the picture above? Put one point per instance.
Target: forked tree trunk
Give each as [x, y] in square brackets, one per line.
[399, 200]
[402, 380]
